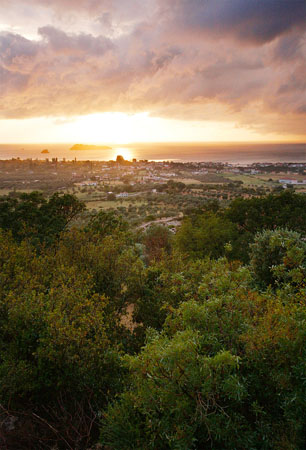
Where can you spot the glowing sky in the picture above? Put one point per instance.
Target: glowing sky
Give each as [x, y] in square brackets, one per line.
[152, 70]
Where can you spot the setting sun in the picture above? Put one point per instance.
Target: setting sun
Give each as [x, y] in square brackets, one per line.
[119, 128]
[126, 153]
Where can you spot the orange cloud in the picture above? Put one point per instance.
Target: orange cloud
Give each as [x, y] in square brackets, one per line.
[241, 61]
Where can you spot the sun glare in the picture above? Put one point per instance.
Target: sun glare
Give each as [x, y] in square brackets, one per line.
[118, 129]
[125, 152]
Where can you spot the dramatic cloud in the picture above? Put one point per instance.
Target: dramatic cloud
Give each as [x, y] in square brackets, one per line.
[241, 60]
[15, 48]
[60, 42]
[255, 21]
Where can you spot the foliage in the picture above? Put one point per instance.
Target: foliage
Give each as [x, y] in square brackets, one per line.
[56, 341]
[106, 223]
[157, 239]
[278, 257]
[34, 217]
[172, 346]
[256, 214]
[205, 235]
[55, 299]
[287, 209]
[226, 372]
[161, 287]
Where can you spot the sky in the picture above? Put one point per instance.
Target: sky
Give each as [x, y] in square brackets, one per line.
[121, 71]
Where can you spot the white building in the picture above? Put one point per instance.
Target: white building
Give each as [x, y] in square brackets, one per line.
[289, 181]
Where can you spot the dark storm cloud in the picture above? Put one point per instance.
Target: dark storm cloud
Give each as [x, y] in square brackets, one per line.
[289, 47]
[199, 59]
[255, 21]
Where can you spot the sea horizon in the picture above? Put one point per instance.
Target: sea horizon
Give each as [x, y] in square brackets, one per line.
[233, 153]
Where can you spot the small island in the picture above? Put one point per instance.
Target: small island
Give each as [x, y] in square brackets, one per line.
[89, 147]
[45, 151]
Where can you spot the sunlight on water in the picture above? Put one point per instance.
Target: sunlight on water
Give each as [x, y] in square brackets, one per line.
[127, 153]
[234, 153]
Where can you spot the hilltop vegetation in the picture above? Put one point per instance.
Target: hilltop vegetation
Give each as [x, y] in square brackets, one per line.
[146, 339]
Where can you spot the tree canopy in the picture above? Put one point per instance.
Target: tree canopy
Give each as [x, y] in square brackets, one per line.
[34, 216]
[130, 339]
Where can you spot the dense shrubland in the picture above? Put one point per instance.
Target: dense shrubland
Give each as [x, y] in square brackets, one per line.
[149, 340]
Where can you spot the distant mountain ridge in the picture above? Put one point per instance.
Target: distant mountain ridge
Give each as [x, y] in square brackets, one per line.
[89, 147]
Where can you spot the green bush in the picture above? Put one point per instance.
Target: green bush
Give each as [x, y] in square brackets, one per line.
[278, 257]
[226, 372]
[205, 236]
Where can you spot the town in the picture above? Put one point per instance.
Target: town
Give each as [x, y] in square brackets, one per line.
[145, 191]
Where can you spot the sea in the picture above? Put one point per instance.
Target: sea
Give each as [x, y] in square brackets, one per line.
[233, 153]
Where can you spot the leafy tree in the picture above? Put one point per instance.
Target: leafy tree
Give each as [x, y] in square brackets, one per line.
[111, 196]
[278, 256]
[226, 372]
[106, 223]
[287, 209]
[162, 286]
[59, 364]
[157, 239]
[215, 357]
[205, 235]
[34, 217]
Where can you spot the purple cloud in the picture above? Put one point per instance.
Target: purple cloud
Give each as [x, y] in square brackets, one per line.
[59, 41]
[246, 57]
[252, 21]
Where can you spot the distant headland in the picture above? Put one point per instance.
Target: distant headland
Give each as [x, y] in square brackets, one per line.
[45, 151]
[89, 147]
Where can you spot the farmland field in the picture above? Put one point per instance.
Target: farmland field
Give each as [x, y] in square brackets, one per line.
[249, 179]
